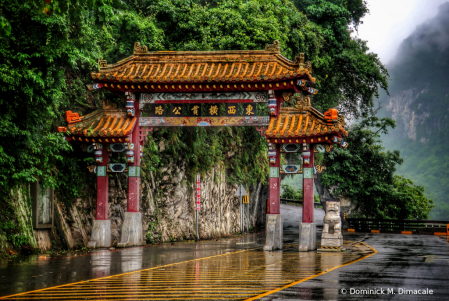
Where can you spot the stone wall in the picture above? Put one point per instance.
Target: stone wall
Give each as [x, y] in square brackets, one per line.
[168, 206]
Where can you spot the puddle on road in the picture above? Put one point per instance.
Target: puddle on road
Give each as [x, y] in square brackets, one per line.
[233, 276]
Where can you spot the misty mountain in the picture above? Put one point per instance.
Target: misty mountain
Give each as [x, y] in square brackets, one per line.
[419, 102]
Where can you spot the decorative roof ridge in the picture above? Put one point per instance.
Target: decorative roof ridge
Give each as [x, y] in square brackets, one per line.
[143, 50]
[98, 112]
[103, 64]
[296, 111]
[270, 49]
[205, 66]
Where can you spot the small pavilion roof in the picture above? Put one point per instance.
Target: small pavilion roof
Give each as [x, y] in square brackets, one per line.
[206, 67]
[305, 121]
[103, 123]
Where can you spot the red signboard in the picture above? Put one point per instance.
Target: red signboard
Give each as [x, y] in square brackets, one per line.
[198, 192]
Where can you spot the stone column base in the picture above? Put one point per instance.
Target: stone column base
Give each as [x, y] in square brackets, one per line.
[132, 234]
[331, 240]
[274, 232]
[307, 237]
[101, 235]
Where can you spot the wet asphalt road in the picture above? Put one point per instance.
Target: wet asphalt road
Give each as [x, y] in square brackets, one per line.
[32, 274]
[403, 262]
[399, 263]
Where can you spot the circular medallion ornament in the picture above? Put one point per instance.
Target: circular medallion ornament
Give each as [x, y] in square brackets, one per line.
[261, 97]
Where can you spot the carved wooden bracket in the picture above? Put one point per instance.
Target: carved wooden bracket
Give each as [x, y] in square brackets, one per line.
[261, 130]
[143, 133]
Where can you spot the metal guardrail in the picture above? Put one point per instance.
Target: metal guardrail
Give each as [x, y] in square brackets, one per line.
[390, 225]
[286, 201]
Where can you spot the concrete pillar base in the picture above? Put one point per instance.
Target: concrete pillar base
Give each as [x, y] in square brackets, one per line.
[101, 235]
[132, 234]
[274, 232]
[327, 240]
[307, 237]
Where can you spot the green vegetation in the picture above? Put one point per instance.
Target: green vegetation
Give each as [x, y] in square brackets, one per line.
[288, 192]
[348, 75]
[46, 59]
[364, 172]
[421, 105]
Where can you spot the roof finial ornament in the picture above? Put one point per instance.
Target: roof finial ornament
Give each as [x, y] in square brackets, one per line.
[139, 49]
[302, 103]
[102, 63]
[299, 59]
[275, 47]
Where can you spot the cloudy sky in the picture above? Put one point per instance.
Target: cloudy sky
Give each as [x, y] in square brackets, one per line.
[391, 21]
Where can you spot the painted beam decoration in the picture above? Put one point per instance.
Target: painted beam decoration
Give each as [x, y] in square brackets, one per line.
[291, 148]
[319, 148]
[291, 169]
[130, 98]
[117, 167]
[120, 147]
[204, 121]
[272, 153]
[213, 97]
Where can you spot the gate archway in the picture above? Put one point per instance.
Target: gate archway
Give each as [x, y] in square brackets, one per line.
[205, 88]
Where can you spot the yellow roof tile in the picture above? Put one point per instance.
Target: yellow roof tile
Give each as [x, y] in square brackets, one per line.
[205, 66]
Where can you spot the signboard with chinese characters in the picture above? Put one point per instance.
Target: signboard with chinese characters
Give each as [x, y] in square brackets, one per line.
[202, 109]
[206, 97]
[205, 121]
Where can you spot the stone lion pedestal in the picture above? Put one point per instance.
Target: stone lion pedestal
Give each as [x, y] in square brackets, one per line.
[331, 235]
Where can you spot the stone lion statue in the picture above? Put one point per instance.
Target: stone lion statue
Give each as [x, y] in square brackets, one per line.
[331, 236]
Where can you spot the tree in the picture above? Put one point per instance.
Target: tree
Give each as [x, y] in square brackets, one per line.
[364, 172]
[290, 193]
[76, 10]
[348, 75]
[46, 59]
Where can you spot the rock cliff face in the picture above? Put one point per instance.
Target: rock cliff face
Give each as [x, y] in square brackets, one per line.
[419, 97]
[169, 214]
[168, 207]
[408, 118]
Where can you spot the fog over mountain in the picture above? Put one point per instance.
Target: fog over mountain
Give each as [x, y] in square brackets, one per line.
[428, 37]
[419, 102]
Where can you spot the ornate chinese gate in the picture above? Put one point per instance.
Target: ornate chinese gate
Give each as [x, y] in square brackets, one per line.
[202, 88]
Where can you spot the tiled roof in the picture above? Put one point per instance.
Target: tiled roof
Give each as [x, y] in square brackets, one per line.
[267, 65]
[305, 121]
[103, 123]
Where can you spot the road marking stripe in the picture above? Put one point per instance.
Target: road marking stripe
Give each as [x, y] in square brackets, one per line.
[134, 294]
[311, 277]
[146, 299]
[116, 275]
[143, 296]
[251, 271]
[198, 290]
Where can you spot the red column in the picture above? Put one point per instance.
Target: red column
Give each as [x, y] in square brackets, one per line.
[102, 187]
[275, 183]
[307, 196]
[134, 168]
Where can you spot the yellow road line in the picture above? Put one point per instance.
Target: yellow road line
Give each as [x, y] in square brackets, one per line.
[247, 274]
[184, 288]
[143, 296]
[146, 299]
[116, 275]
[311, 277]
[108, 292]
